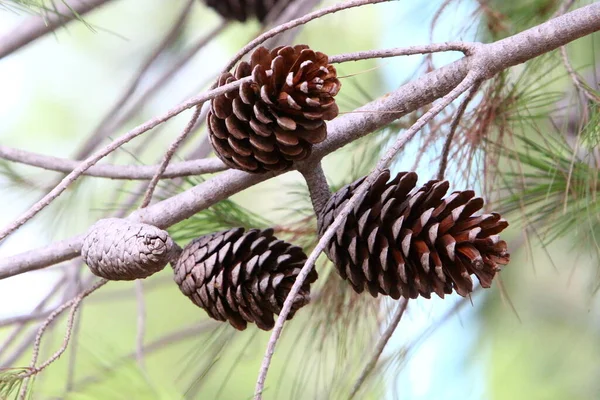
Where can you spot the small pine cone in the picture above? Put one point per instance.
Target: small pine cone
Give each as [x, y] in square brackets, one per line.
[242, 277]
[241, 10]
[276, 118]
[122, 250]
[403, 242]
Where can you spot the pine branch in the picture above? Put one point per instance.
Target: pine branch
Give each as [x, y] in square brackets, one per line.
[488, 60]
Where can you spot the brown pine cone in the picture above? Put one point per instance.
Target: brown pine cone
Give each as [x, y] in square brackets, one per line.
[242, 277]
[403, 242]
[276, 118]
[241, 10]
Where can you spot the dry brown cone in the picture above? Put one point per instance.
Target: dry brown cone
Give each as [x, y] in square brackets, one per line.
[404, 242]
[275, 119]
[242, 10]
[242, 277]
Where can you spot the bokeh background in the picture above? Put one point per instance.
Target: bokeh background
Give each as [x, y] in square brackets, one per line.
[535, 336]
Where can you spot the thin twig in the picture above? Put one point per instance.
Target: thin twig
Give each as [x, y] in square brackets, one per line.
[453, 126]
[169, 155]
[464, 47]
[73, 354]
[141, 323]
[98, 134]
[111, 171]
[383, 341]
[94, 158]
[576, 78]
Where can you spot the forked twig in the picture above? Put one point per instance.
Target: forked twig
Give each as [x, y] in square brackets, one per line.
[74, 304]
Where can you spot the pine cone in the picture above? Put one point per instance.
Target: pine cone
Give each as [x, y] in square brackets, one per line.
[242, 277]
[122, 250]
[403, 242]
[274, 120]
[242, 10]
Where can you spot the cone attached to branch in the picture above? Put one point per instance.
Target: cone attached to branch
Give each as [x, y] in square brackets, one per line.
[402, 241]
[274, 120]
[242, 277]
[241, 10]
[123, 250]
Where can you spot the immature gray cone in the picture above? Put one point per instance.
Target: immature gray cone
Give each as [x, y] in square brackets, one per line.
[242, 277]
[403, 241]
[122, 250]
[241, 10]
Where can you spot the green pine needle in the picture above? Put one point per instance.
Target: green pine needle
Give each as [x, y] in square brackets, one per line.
[11, 381]
[555, 188]
[44, 8]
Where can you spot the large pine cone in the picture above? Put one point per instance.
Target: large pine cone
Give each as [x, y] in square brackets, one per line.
[403, 242]
[242, 277]
[123, 250]
[241, 10]
[274, 120]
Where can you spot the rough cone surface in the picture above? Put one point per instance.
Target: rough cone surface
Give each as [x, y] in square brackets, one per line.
[122, 250]
[400, 241]
[276, 119]
[242, 277]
